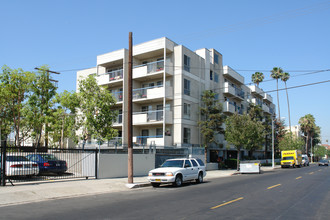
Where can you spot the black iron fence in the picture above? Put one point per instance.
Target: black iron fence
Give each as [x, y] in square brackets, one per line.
[20, 164]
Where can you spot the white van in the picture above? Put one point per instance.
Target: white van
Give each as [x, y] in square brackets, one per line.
[305, 160]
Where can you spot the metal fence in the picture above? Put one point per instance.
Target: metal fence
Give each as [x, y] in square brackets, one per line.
[21, 164]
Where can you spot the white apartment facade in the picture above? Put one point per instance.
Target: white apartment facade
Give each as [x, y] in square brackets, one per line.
[168, 80]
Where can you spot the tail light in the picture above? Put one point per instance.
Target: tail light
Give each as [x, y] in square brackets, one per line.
[46, 165]
[17, 165]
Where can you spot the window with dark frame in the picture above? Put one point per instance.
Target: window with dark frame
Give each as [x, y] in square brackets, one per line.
[186, 62]
[186, 87]
[186, 135]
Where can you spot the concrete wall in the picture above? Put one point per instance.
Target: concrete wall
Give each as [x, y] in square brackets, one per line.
[115, 165]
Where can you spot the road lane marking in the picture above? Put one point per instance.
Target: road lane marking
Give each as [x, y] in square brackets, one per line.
[311, 173]
[320, 169]
[226, 203]
[299, 177]
[274, 186]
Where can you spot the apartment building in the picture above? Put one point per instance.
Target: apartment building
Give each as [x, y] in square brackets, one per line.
[168, 80]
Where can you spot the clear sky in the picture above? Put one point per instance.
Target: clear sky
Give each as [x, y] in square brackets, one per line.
[254, 35]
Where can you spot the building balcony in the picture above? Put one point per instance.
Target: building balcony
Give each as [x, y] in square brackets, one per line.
[265, 108]
[268, 98]
[152, 93]
[118, 96]
[158, 140]
[256, 101]
[114, 78]
[151, 70]
[257, 91]
[152, 117]
[229, 107]
[233, 75]
[233, 92]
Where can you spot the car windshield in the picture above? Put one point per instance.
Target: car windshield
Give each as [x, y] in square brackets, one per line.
[287, 158]
[48, 157]
[173, 163]
[16, 158]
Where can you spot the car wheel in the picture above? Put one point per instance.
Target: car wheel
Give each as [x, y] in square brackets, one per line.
[155, 184]
[200, 178]
[178, 181]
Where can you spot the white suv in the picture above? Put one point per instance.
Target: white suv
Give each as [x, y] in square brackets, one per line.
[177, 171]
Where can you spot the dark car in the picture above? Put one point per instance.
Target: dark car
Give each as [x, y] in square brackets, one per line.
[48, 163]
[323, 163]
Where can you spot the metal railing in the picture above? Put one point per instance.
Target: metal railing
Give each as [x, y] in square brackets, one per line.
[115, 74]
[156, 115]
[141, 93]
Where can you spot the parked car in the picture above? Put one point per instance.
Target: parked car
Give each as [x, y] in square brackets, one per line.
[305, 160]
[48, 163]
[323, 163]
[177, 171]
[17, 165]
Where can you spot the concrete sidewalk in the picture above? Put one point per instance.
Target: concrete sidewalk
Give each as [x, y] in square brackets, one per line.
[42, 191]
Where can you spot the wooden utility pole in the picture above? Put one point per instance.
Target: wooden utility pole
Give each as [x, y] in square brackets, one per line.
[129, 107]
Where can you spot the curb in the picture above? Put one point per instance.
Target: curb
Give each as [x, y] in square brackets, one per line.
[137, 185]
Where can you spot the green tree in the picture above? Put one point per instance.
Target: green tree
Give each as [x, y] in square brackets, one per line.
[285, 77]
[307, 126]
[212, 119]
[276, 74]
[243, 132]
[17, 84]
[320, 151]
[5, 121]
[96, 106]
[39, 108]
[257, 78]
[64, 124]
[289, 142]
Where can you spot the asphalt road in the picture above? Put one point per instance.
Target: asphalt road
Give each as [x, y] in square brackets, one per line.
[301, 193]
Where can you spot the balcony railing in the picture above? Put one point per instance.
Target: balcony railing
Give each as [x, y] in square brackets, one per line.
[115, 75]
[118, 96]
[143, 140]
[239, 93]
[153, 66]
[142, 93]
[228, 88]
[232, 108]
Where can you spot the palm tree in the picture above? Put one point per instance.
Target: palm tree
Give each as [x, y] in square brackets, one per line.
[257, 78]
[285, 77]
[307, 125]
[276, 74]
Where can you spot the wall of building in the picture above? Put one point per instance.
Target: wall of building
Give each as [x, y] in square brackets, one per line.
[115, 165]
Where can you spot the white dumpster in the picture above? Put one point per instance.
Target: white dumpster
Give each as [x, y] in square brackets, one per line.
[252, 167]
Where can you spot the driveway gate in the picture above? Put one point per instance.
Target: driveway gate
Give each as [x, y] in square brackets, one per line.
[20, 164]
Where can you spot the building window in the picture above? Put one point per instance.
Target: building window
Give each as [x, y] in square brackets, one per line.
[211, 75]
[216, 77]
[186, 111]
[186, 87]
[159, 83]
[216, 96]
[159, 132]
[144, 108]
[216, 58]
[186, 135]
[186, 62]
